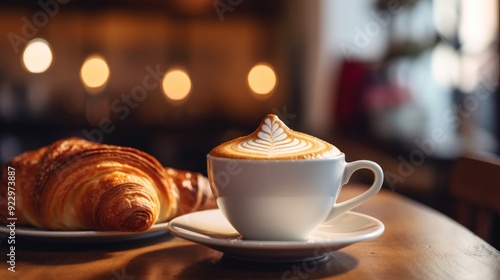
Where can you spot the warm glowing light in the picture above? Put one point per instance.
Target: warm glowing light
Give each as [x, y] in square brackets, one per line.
[445, 17]
[94, 72]
[262, 79]
[37, 56]
[445, 65]
[474, 16]
[470, 67]
[176, 84]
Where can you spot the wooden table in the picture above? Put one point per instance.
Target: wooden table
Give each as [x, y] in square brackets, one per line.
[418, 243]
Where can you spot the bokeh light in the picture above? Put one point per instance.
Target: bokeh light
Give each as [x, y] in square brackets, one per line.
[37, 56]
[94, 72]
[176, 84]
[445, 65]
[262, 79]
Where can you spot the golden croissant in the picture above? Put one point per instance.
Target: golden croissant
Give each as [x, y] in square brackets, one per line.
[74, 184]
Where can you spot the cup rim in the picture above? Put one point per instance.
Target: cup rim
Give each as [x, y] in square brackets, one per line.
[341, 155]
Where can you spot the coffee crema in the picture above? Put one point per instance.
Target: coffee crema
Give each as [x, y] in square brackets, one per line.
[274, 140]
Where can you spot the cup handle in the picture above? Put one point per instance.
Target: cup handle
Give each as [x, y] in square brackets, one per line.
[351, 167]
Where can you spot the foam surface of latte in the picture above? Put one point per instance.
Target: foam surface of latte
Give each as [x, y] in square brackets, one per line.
[274, 140]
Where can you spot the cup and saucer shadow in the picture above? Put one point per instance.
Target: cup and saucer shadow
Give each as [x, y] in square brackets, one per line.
[228, 267]
[210, 228]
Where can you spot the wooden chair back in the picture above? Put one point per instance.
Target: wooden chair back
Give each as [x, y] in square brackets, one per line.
[475, 185]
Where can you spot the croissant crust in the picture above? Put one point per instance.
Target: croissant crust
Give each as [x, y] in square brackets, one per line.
[75, 184]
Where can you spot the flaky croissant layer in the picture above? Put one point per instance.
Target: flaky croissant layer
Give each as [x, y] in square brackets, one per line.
[74, 184]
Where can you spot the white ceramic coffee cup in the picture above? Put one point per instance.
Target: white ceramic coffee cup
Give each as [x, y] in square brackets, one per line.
[284, 199]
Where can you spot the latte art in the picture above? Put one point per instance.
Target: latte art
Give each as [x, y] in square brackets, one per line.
[274, 140]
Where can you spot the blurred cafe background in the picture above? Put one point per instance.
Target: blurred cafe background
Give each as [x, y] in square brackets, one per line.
[412, 85]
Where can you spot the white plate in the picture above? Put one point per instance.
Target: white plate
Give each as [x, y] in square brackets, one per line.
[84, 235]
[210, 228]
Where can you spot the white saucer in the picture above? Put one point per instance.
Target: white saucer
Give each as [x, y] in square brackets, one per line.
[84, 235]
[210, 228]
